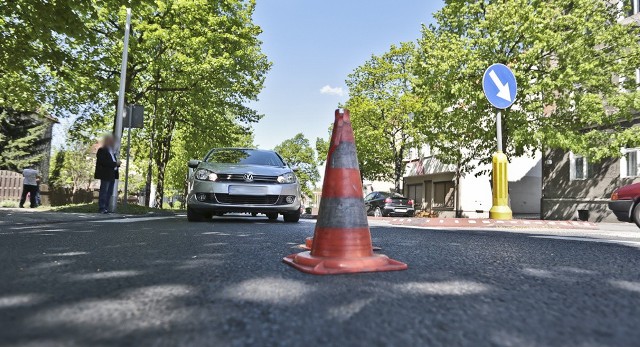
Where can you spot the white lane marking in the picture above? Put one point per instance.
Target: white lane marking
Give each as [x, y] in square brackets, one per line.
[588, 239]
[131, 220]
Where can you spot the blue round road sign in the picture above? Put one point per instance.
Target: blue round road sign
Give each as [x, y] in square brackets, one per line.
[499, 85]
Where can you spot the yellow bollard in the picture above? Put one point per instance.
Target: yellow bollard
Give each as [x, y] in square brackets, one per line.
[500, 208]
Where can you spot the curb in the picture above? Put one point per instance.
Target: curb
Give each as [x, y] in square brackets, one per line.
[489, 223]
[89, 219]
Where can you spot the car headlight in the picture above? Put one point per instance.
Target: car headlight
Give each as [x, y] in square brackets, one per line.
[289, 177]
[206, 175]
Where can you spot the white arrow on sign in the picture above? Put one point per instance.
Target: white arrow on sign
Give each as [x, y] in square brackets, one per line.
[504, 92]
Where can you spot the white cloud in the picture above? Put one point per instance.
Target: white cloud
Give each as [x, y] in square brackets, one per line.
[338, 91]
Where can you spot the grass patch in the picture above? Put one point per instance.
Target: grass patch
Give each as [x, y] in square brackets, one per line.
[122, 209]
[8, 203]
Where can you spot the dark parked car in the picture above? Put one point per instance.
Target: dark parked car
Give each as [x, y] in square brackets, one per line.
[382, 204]
[625, 203]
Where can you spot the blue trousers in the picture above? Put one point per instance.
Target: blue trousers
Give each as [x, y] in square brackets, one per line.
[106, 191]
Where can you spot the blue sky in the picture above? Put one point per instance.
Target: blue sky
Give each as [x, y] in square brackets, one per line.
[317, 43]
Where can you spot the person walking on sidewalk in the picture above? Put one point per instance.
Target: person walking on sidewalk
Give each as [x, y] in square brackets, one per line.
[106, 171]
[29, 186]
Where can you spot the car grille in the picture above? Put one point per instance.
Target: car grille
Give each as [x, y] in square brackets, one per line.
[246, 199]
[240, 178]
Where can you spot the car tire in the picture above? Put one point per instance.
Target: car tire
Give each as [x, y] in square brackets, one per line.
[193, 216]
[272, 216]
[292, 217]
[378, 212]
[635, 215]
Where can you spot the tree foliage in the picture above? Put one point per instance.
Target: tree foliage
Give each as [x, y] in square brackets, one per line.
[194, 65]
[382, 103]
[297, 152]
[23, 135]
[568, 56]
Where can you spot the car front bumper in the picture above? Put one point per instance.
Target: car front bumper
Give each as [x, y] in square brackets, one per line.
[214, 197]
[621, 209]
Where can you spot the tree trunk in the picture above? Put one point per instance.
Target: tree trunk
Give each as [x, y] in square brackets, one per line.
[398, 168]
[163, 150]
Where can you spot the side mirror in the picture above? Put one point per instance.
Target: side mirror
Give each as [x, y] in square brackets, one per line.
[193, 163]
[295, 168]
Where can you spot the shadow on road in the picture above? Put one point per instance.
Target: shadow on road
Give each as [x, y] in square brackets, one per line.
[222, 283]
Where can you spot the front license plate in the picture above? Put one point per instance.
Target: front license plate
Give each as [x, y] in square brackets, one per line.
[247, 190]
[400, 210]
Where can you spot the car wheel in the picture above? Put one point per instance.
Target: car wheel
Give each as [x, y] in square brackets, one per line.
[272, 216]
[193, 216]
[377, 212]
[292, 217]
[636, 214]
[409, 214]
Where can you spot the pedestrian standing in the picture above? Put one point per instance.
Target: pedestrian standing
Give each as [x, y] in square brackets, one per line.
[106, 171]
[29, 186]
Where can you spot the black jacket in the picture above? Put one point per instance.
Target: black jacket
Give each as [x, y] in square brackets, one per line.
[105, 165]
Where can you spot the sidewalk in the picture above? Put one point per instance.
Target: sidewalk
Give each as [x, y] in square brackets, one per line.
[26, 216]
[487, 223]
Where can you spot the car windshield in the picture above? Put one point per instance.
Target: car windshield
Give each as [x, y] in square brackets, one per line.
[244, 157]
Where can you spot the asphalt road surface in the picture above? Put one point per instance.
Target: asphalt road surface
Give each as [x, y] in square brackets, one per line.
[166, 282]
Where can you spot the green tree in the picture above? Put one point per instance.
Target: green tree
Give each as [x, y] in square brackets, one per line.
[78, 167]
[39, 61]
[194, 65]
[322, 149]
[565, 54]
[297, 152]
[55, 170]
[382, 105]
[22, 137]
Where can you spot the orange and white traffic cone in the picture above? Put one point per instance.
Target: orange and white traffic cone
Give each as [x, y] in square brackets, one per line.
[342, 240]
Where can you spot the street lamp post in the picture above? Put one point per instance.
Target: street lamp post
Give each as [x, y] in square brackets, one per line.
[120, 107]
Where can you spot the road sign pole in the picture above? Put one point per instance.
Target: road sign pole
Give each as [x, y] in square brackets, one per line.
[500, 87]
[499, 130]
[500, 209]
[118, 130]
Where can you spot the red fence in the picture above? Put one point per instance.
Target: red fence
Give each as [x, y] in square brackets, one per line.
[11, 188]
[10, 185]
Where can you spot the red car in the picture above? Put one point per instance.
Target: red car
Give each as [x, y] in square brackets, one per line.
[625, 203]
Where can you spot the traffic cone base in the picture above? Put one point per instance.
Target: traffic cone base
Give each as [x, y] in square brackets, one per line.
[305, 262]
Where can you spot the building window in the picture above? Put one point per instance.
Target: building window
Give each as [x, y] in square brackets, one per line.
[632, 6]
[414, 192]
[443, 194]
[578, 167]
[629, 163]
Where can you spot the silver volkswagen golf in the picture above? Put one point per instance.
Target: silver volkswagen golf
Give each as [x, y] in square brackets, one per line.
[242, 180]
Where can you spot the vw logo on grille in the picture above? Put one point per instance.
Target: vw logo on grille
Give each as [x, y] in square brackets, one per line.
[248, 177]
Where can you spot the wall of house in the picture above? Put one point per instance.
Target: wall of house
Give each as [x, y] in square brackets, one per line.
[426, 183]
[525, 184]
[525, 181]
[475, 194]
[562, 197]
